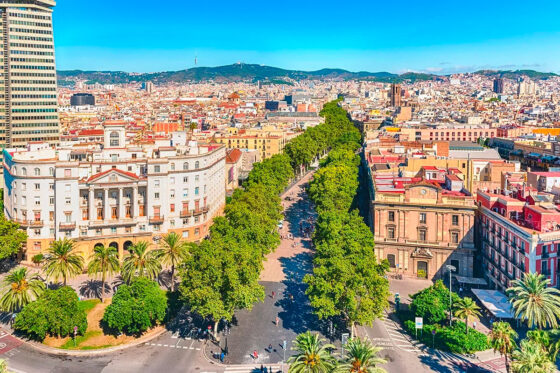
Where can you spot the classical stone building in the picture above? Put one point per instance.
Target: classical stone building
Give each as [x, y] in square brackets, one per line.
[422, 225]
[113, 193]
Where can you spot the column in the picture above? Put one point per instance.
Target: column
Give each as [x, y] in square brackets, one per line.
[91, 204]
[106, 208]
[121, 203]
[135, 210]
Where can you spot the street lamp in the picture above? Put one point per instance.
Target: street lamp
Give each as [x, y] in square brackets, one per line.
[450, 268]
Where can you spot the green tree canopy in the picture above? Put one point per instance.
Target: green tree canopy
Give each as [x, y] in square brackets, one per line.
[56, 313]
[136, 307]
[62, 261]
[432, 303]
[19, 289]
[11, 237]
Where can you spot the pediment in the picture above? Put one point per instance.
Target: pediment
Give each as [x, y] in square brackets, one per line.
[112, 176]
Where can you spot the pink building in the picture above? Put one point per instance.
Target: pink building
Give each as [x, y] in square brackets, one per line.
[519, 234]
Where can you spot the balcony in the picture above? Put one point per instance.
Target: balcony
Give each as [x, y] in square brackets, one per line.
[30, 223]
[112, 223]
[185, 214]
[197, 212]
[156, 220]
[67, 226]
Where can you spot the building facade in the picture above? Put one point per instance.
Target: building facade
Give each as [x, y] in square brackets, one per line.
[29, 99]
[113, 196]
[519, 234]
[422, 225]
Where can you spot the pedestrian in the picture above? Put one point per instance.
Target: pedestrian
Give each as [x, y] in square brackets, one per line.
[255, 355]
[270, 347]
[474, 325]
[277, 321]
[222, 355]
[273, 295]
[291, 297]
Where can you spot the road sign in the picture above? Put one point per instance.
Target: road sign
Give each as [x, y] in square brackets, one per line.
[418, 321]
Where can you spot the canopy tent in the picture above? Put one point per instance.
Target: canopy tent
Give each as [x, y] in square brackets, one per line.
[471, 280]
[495, 302]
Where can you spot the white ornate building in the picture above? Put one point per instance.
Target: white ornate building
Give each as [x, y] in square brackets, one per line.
[114, 193]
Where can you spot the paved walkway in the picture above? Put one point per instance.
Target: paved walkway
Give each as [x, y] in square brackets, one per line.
[286, 313]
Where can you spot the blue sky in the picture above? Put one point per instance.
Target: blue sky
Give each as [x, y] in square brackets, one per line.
[397, 36]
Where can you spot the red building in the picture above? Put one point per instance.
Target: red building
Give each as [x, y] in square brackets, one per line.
[519, 234]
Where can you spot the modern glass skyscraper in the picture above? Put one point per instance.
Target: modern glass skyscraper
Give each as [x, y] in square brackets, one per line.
[28, 98]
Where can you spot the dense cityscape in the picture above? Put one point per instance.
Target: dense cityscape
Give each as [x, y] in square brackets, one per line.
[248, 218]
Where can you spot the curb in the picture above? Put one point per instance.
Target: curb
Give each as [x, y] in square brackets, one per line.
[84, 353]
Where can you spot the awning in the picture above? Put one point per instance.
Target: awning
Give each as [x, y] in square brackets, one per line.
[495, 302]
[471, 280]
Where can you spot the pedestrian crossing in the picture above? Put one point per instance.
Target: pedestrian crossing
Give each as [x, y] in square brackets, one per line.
[399, 338]
[252, 368]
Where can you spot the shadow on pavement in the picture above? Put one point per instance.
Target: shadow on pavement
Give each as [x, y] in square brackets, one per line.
[444, 362]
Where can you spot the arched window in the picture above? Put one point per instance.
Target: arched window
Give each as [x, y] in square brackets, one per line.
[51, 171]
[37, 172]
[172, 166]
[197, 165]
[114, 138]
[186, 166]
[24, 171]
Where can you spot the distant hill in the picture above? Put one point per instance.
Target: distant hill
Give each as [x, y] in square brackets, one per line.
[516, 74]
[233, 73]
[266, 74]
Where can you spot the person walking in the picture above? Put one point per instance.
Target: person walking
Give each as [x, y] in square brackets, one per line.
[277, 321]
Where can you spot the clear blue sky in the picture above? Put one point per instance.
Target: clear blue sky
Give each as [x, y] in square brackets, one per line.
[397, 36]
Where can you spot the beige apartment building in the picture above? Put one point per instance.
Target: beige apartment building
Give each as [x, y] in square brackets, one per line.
[268, 141]
[29, 101]
[420, 226]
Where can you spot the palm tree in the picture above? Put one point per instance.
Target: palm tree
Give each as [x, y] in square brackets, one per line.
[502, 339]
[172, 252]
[533, 300]
[20, 289]
[531, 358]
[312, 356]
[141, 262]
[548, 340]
[62, 261]
[104, 260]
[467, 309]
[361, 357]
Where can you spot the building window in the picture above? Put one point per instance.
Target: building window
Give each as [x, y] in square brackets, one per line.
[113, 230]
[24, 171]
[391, 232]
[114, 139]
[37, 172]
[185, 234]
[67, 172]
[422, 218]
[186, 166]
[391, 216]
[197, 165]
[156, 195]
[196, 231]
[391, 260]
[196, 191]
[172, 165]
[157, 169]
[454, 237]
[455, 219]
[156, 183]
[172, 207]
[455, 263]
[185, 179]
[422, 235]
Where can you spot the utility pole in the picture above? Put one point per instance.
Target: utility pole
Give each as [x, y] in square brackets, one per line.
[450, 268]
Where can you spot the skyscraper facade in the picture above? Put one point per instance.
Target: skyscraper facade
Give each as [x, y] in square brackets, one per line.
[28, 101]
[498, 86]
[395, 95]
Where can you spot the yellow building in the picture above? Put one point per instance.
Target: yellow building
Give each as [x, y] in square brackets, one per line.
[267, 140]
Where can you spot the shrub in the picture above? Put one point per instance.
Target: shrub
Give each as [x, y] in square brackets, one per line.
[432, 303]
[136, 307]
[452, 339]
[56, 313]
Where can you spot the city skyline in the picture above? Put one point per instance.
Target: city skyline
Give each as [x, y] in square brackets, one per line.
[430, 39]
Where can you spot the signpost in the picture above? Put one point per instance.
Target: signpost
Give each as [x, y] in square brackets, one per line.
[284, 350]
[418, 323]
[344, 341]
